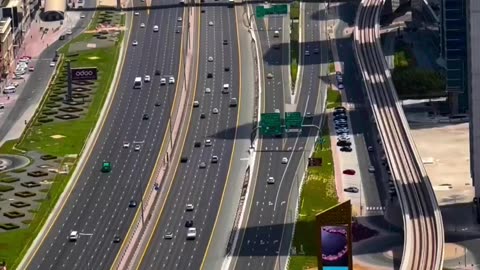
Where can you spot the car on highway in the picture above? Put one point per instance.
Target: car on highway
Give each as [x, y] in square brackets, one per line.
[132, 204]
[276, 33]
[340, 86]
[142, 25]
[117, 239]
[208, 142]
[10, 89]
[189, 207]
[342, 131]
[269, 75]
[233, 102]
[349, 172]
[226, 69]
[343, 143]
[210, 59]
[208, 90]
[179, 19]
[137, 147]
[276, 111]
[315, 51]
[215, 111]
[308, 115]
[270, 180]
[145, 116]
[371, 169]
[197, 144]
[351, 189]
[146, 78]
[340, 109]
[157, 104]
[171, 80]
[136, 13]
[339, 77]
[202, 165]
[126, 144]
[191, 233]
[73, 236]
[168, 235]
[226, 88]
[307, 53]
[52, 64]
[346, 149]
[183, 159]
[157, 72]
[196, 103]
[225, 42]
[202, 116]
[189, 223]
[209, 75]
[210, 23]
[163, 81]
[214, 159]
[370, 149]
[134, 43]
[155, 28]
[284, 160]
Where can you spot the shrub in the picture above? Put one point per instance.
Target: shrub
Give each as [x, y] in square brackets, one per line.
[6, 188]
[9, 226]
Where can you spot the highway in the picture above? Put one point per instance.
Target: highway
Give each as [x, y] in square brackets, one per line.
[423, 226]
[202, 187]
[98, 207]
[265, 241]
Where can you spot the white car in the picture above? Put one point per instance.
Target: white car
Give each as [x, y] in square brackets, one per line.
[147, 78]
[277, 110]
[208, 90]
[82, 16]
[371, 169]
[168, 235]
[196, 103]
[189, 207]
[215, 111]
[276, 33]
[155, 28]
[210, 23]
[270, 180]
[208, 142]
[142, 25]
[136, 13]
[191, 233]
[284, 160]
[126, 144]
[73, 236]
[137, 147]
[210, 59]
[179, 19]
[171, 80]
[340, 86]
[163, 81]
[307, 53]
[52, 64]
[269, 75]
[134, 43]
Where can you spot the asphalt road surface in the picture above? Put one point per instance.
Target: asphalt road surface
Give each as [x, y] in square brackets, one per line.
[268, 235]
[98, 206]
[202, 187]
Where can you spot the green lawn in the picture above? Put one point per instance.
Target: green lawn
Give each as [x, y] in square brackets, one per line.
[318, 194]
[334, 99]
[294, 53]
[13, 245]
[331, 68]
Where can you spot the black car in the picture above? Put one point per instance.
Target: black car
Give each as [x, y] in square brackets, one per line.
[346, 149]
[145, 117]
[132, 204]
[117, 239]
[343, 143]
[189, 223]
[157, 72]
[209, 75]
[225, 42]
[340, 116]
[202, 115]
[197, 144]
[227, 69]
[157, 104]
[183, 159]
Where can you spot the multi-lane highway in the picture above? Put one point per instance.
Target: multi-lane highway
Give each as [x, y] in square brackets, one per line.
[202, 187]
[424, 234]
[265, 241]
[98, 207]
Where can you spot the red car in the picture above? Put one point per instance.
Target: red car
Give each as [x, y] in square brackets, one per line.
[349, 172]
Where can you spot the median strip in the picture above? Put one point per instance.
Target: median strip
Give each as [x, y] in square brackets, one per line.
[58, 132]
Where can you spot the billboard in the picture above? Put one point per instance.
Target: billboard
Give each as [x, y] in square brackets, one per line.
[334, 238]
[82, 74]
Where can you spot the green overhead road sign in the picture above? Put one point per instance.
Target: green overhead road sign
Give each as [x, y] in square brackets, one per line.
[271, 124]
[293, 120]
[261, 11]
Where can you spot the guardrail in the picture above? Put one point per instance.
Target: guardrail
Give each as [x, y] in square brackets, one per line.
[423, 226]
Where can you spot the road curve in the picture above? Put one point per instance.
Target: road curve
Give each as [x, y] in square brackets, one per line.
[423, 226]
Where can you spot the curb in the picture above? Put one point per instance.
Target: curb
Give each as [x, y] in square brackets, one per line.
[88, 147]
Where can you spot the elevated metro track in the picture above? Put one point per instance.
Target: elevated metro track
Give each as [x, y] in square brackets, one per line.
[423, 226]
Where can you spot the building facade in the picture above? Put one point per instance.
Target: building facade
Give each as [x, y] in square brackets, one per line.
[7, 57]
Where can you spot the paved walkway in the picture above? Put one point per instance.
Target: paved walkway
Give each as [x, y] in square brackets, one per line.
[20, 106]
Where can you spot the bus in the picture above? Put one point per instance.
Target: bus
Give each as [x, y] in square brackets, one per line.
[138, 83]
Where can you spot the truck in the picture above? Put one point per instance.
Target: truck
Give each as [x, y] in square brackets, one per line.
[138, 83]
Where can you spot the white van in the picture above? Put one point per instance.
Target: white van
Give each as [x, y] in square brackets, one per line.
[155, 28]
[138, 83]
[226, 88]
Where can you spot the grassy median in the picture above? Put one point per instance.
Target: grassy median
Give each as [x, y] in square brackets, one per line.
[318, 194]
[294, 41]
[39, 135]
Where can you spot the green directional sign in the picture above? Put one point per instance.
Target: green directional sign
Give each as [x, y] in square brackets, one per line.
[261, 11]
[271, 124]
[293, 120]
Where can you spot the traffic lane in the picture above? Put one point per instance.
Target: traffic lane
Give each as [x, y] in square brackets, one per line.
[216, 92]
[123, 99]
[113, 191]
[159, 119]
[211, 175]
